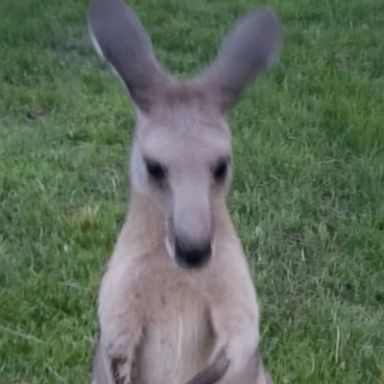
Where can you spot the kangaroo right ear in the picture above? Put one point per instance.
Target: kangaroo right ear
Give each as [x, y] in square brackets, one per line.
[119, 36]
[250, 48]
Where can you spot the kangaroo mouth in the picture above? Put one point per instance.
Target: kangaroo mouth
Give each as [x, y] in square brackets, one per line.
[192, 256]
[186, 254]
[170, 240]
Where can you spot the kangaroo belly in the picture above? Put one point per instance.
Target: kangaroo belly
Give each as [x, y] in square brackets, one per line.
[176, 345]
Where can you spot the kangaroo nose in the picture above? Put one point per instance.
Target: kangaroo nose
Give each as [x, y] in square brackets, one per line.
[192, 255]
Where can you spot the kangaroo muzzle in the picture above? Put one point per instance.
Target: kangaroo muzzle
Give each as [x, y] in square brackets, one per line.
[190, 232]
[192, 255]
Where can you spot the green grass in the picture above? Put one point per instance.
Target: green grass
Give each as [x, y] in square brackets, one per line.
[307, 197]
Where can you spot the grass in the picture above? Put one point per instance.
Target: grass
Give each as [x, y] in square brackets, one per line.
[307, 197]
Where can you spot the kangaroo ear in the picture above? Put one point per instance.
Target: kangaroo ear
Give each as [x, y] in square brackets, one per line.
[251, 47]
[120, 38]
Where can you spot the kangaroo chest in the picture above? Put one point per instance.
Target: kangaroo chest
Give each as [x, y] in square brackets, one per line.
[177, 335]
[172, 313]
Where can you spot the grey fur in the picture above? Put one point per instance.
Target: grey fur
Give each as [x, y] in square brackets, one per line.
[161, 323]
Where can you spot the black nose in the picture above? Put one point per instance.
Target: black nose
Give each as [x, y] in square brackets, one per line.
[192, 255]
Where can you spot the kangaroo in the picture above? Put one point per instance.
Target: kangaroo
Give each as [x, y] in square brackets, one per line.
[177, 303]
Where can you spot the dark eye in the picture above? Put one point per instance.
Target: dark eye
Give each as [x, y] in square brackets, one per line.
[220, 170]
[155, 170]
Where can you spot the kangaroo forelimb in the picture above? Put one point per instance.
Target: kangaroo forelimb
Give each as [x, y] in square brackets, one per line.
[213, 373]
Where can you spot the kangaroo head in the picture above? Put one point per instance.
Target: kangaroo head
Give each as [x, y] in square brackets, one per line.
[181, 153]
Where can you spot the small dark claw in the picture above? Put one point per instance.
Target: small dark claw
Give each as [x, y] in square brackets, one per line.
[213, 373]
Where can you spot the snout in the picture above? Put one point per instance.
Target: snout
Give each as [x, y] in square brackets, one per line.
[190, 227]
[192, 255]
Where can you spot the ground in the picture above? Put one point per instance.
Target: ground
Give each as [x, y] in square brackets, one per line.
[307, 197]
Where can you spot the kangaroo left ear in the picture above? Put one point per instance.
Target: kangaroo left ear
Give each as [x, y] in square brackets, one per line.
[121, 38]
[252, 46]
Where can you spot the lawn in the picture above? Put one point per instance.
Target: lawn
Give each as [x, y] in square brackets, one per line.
[307, 196]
